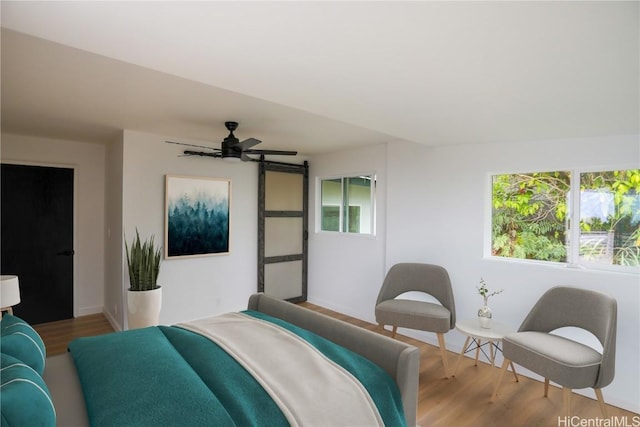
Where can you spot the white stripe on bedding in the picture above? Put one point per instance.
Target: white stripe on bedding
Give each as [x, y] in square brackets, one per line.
[309, 389]
[25, 380]
[22, 324]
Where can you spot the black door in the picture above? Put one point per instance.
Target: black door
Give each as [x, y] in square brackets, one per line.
[37, 239]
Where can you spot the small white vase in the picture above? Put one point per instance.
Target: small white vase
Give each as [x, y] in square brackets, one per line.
[485, 315]
[144, 308]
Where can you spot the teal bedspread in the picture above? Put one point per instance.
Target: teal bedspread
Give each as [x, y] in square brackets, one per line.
[168, 376]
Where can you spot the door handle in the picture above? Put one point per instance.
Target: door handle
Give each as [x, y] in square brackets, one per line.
[68, 252]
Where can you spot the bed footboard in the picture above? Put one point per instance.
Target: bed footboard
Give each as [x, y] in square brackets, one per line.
[400, 360]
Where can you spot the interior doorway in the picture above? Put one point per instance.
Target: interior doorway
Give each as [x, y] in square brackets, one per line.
[283, 193]
[36, 218]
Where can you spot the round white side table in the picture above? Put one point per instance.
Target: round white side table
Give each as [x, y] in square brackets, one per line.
[480, 337]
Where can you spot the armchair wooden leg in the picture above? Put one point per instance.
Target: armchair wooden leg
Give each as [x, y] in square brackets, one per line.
[566, 397]
[505, 365]
[546, 387]
[603, 407]
[393, 331]
[443, 352]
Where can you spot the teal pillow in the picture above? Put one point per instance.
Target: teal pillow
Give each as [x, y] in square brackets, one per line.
[20, 340]
[25, 397]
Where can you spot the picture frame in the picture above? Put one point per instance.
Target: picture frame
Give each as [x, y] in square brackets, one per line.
[197, 216]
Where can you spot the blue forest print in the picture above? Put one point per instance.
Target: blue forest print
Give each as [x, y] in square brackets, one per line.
[197, 216]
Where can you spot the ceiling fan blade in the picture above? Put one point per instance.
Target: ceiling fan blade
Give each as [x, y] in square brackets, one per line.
[201, 153]
[192, 145]
[274, 152]
[246, 158]
[248, 143]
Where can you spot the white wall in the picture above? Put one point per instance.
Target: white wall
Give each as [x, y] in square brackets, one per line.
[434, 208]
[447, 224]
[345, 269]
[114, 301]
[192, 287]
[88, 162]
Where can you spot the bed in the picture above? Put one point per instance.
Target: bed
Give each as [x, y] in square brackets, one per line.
[126, 378]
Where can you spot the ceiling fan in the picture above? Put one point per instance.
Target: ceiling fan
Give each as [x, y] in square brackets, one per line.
[233, 149]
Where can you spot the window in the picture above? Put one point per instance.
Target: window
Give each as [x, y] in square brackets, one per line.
[610, 217]
[347, 204]
[533, 213]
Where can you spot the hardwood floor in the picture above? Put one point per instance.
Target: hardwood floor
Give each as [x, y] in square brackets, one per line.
[57, 335]
[464, 400]
[460, 401]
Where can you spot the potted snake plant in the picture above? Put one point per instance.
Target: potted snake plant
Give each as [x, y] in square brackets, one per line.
[144, 296]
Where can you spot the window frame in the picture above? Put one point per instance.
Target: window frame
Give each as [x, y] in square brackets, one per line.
[343, 203]
[573, 233]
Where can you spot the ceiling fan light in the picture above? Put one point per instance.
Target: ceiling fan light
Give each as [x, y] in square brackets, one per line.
[231, 159]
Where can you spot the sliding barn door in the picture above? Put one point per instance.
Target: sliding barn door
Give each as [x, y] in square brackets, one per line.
[283, 191]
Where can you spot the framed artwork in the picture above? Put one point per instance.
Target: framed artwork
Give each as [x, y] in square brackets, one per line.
[196, 216]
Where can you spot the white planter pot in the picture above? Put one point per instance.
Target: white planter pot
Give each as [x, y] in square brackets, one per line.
[144, 308]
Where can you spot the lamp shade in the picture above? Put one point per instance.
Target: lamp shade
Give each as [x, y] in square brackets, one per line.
[9, 291]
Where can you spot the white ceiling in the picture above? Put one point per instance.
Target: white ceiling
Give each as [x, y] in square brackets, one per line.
[317, 76]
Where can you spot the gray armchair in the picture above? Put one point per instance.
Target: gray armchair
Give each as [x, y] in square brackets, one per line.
[424, 316]
[566, 362]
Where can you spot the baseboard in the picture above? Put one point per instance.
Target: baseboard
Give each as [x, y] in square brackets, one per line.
[341, 309]
[114, 324]
[87, 311]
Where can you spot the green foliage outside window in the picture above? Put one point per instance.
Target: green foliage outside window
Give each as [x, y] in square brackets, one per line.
[531, 212]
[347, 204]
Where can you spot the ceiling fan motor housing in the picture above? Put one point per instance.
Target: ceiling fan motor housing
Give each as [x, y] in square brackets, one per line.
[230, 147]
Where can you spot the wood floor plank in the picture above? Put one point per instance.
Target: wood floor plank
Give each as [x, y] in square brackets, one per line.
[57, 335]
[460, 401]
